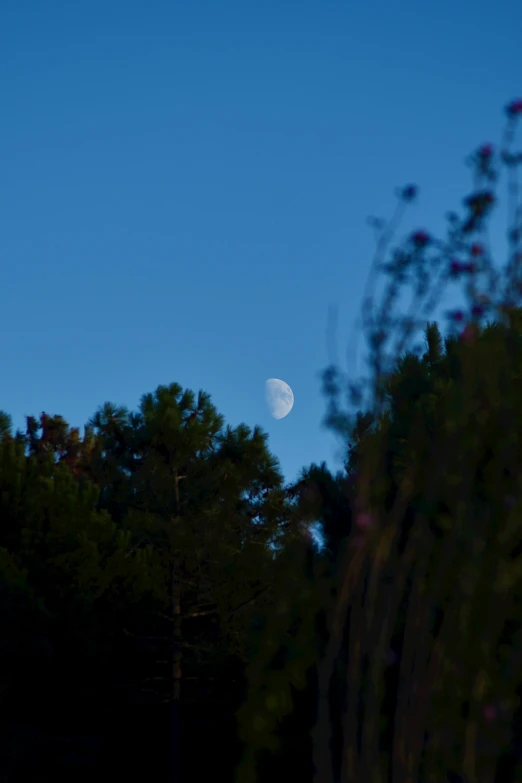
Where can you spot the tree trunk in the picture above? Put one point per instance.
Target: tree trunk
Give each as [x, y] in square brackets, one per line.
[175, 690]
[175, 723]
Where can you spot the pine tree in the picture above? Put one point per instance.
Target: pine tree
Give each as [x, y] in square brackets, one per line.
[201, 506]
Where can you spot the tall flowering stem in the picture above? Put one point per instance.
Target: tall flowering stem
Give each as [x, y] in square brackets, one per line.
[431, 563]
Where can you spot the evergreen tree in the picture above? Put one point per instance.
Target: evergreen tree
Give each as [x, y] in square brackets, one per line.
[159, 535]
[200, 505]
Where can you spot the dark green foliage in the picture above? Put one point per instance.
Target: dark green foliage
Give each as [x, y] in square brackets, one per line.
[327, 500]
[95, 534]
[164, 542]
[450, 428]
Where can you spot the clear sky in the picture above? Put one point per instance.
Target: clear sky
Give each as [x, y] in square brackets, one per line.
[185, 185]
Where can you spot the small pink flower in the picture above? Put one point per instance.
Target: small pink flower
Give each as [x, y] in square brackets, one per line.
[468, 334]
[514, 108]
[364, 520]
[490, 713]
[457, 315]
[476, 250]
[409, 192]
[486, 151]
[477, 310]
[420, 238]
[455, 268]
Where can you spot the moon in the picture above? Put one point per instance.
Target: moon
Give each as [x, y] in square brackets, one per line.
[279, 398]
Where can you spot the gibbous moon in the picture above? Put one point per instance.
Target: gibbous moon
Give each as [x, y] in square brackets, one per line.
[279, 397]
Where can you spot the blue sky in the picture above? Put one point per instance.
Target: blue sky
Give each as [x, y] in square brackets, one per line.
[185, 187]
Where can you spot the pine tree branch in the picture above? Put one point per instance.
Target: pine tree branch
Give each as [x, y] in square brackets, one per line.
[248, 601]
[143, 636]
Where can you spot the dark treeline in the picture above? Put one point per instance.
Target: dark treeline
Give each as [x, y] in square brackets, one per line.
[166, 613]
[138, 562]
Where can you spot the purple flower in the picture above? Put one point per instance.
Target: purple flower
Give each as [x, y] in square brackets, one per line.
[455, 268]
[468, 334]
[486, 151]
[364, 520]
[490, 713]
[409, 192]
[514, 108]
[420, 238]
